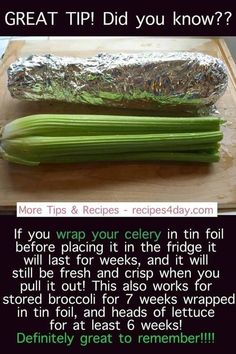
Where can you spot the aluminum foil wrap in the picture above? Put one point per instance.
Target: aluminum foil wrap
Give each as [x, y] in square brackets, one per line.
[141, 80]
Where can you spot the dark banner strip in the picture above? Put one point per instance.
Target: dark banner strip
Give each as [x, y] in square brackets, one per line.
[102, 18]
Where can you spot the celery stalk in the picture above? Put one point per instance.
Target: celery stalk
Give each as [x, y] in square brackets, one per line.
[78, 138]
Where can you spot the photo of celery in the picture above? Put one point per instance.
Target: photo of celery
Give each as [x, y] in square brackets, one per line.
[117, 119]
[59, 138]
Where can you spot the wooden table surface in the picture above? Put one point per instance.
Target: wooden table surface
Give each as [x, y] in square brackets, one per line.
[118, 182]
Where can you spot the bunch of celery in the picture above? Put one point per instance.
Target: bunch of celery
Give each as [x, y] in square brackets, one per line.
[55, 138]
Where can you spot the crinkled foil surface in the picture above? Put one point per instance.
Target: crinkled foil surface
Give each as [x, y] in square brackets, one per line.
[142, 80]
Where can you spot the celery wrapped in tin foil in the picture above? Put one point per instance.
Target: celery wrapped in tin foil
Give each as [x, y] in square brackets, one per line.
[141, 81]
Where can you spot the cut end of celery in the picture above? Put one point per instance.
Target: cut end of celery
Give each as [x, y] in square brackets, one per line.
[16, 160]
